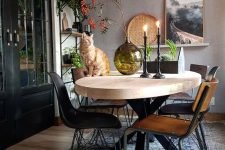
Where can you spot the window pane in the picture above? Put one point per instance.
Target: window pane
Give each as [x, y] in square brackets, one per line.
[33, 46]
[1, 51]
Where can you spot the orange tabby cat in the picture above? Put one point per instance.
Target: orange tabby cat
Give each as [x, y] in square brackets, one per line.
[94, 58]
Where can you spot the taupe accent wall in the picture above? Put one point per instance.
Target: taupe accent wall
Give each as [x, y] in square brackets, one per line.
[214, 34]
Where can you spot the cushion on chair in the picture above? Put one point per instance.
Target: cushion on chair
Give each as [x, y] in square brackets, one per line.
[86, 120]
[106, 104]
[176, 108]
[163, 125]
[181, 96]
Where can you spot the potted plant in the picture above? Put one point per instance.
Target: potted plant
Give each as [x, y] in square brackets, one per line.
[149, 52]
[79, 70]
[67, 54]
[168, 62]
[23, 57]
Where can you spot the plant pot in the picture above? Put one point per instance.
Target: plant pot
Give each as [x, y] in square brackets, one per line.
[23, 60]
[172, 67]
[78, 73]
[165, 67]
[66, 59]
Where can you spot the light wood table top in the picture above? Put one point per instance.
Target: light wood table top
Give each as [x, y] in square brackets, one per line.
[134, 87]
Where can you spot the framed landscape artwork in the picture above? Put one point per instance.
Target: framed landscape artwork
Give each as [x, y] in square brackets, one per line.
[184, 21]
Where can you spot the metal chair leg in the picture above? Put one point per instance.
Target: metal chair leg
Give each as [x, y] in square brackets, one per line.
[180, 144]
[203, 135]
[127, 132]
[74, 135]
[147, 141]
[103, 138]
[132, 115]
[126, 117]
[199, 139]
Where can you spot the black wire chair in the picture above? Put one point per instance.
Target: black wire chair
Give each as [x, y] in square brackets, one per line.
[89, 104]
[79, 120]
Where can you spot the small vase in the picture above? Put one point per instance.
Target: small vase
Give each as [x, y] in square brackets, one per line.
[128, 58]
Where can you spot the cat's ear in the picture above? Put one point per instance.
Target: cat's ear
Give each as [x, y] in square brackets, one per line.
[92, 35]
[84, 34]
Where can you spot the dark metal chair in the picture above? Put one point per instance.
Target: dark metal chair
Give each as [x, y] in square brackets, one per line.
[184, 108]
[181, 96]
[100, 104]
[76, 119]
[176, 127]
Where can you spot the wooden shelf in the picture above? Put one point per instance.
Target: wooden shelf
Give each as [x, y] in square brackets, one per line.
[73, 33]
[67, 65]
[181, 45]
[26, 66]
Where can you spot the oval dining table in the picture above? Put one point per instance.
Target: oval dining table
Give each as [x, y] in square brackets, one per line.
[138, 92]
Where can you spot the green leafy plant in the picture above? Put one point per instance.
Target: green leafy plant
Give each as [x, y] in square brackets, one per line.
[77, 60]
[69, 50]
[149, 52]
[23, 54]
[173, 49]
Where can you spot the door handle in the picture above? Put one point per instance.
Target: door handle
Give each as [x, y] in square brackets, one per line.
[15, 38]
[8, 37]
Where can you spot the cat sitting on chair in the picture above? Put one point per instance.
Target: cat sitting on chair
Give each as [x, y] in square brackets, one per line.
[95, 59]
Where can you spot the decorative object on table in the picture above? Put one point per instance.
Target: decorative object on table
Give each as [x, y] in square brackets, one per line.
[167, 65]
[135, 26]
[94, 58]
[181, 61]
[189, 29]
[92, 12]
[145, 73]
[158, 74]
[64, 22]
[128, 58]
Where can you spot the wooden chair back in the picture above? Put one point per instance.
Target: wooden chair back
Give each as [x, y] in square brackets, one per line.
[212, 85]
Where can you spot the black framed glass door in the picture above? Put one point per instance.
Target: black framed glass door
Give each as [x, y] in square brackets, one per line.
[7, 111]
[26, 96]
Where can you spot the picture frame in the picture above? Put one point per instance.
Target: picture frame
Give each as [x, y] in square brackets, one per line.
[184, 21]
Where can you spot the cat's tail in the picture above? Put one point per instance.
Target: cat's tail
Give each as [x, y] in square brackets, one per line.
[107, 69]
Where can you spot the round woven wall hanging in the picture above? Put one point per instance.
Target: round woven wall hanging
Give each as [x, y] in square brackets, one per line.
[135, 29]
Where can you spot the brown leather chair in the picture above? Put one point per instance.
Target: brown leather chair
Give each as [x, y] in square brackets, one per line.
[178, 109]
[176, 127]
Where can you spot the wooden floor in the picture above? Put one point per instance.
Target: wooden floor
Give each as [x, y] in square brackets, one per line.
[60, 138]
[54, 138]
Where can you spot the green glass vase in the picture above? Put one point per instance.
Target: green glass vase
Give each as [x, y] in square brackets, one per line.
[128, 58]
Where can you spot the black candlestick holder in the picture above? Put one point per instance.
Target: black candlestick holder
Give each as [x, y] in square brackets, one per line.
[158, 74]
[145, 74]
